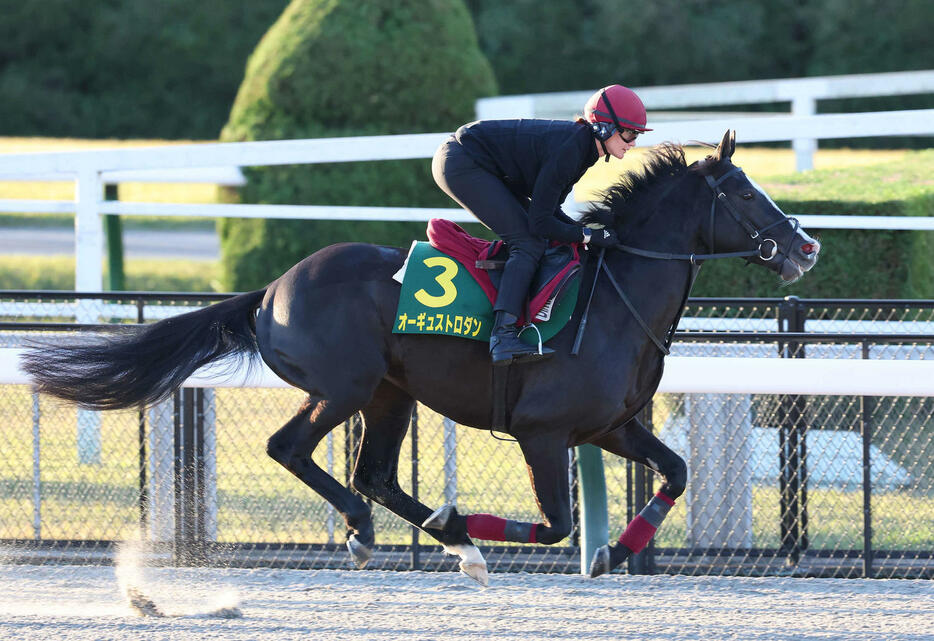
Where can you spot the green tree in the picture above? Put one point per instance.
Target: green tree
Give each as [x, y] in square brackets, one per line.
[331, 68]
[583, 44]
[124, 69]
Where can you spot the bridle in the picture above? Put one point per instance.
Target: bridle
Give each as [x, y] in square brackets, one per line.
[756, 234]
[753, 233]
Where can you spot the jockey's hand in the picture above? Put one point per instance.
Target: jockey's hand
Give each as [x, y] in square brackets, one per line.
[605, 237]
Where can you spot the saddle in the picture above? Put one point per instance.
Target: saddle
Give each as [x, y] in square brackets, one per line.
[558, 269]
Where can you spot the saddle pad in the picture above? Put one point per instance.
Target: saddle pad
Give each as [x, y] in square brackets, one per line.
[440, 296]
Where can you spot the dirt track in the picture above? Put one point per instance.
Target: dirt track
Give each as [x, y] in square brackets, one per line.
[85, 603]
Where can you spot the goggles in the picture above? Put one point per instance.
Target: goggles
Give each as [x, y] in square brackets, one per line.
[629, 135]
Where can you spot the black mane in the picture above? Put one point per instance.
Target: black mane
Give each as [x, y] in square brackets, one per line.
[622, 201]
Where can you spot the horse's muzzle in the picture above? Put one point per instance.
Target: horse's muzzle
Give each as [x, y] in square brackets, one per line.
[802, 257]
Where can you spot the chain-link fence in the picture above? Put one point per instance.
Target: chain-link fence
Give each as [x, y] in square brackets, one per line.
[811, 485]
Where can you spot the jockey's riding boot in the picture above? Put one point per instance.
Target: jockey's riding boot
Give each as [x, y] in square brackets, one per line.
[505, 346]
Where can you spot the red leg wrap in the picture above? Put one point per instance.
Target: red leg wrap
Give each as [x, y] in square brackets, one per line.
[662, 496]
[494, 528]
[640, 531]
[638, 534]
[486, 527]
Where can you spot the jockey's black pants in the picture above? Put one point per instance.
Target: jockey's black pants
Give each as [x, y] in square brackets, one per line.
[488, 198]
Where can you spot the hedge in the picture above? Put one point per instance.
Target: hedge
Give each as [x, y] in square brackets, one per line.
[345, 68]
[853, 263]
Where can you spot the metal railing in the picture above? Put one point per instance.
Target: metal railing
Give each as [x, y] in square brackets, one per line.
[817, 485]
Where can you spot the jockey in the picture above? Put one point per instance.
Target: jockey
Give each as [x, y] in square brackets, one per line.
[513, 176]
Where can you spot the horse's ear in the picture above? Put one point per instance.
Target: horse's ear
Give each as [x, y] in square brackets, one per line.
[727, 145]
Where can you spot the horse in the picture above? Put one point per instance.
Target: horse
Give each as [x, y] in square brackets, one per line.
[325, 327]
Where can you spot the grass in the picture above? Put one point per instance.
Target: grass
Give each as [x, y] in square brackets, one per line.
[774, 169]
[148, 275]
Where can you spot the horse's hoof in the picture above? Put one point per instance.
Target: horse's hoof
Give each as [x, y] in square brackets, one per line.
[360, 553]
[601, 562]
[439, 518]
[472, 563]
[476, 571]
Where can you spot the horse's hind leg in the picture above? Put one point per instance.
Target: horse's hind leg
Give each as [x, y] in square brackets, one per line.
[386, 421]
[547, 461]
[292, 447]
[634, 442]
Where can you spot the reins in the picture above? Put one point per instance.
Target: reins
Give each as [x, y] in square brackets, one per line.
[719, 197]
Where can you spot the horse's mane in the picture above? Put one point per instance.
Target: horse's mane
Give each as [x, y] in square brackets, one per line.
[665, 164]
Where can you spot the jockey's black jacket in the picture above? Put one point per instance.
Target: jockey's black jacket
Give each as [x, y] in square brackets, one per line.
[539, 160]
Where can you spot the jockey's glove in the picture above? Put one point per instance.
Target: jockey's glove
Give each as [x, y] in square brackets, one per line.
[605, 237]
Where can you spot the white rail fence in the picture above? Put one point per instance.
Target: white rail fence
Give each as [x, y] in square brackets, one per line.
[91, 170]
[801, 93]
[683, 374]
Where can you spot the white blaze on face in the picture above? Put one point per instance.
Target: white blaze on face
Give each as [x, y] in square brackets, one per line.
[803, 234]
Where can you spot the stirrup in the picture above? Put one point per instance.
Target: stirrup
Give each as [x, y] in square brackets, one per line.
[518, 352]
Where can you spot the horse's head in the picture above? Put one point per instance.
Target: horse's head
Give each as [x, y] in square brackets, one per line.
[744, 218]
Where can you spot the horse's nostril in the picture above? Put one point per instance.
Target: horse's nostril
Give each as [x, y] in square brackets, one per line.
[808, 248]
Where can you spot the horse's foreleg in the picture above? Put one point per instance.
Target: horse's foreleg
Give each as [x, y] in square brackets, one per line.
[292, 447]
[634, 442]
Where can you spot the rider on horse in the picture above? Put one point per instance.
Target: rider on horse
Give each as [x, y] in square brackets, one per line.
[513, 176]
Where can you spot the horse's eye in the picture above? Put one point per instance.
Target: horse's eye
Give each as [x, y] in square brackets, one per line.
[748, 195]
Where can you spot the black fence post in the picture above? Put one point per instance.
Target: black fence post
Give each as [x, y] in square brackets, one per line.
[631, 567]
[866, 406]
[189, 477]
[353, 434]
[644, 561]
[141, 443]
[648, 492]
[792, 445]
[574, 482]
[416, 561]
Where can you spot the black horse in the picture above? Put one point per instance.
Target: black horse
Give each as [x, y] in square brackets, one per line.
[325, 327]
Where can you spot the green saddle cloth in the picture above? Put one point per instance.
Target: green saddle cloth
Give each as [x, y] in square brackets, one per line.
[439, 296]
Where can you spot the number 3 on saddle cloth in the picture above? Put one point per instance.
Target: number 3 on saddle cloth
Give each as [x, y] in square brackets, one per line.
[449, 286]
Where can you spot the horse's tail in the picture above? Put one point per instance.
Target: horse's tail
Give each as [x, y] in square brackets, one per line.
[148, 365]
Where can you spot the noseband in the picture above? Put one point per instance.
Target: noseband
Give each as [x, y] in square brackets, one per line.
[754, 234]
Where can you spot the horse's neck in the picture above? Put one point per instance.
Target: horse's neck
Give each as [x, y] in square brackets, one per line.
[657, 288]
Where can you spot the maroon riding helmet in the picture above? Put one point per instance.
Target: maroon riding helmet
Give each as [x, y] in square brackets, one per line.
[613, 109]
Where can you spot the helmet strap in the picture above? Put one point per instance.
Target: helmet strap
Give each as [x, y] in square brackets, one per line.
[609, 107]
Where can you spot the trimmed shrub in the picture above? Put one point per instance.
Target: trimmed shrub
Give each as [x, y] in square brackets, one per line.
[331, 68]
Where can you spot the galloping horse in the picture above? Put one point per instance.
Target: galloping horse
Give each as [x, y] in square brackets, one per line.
[325, 327]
